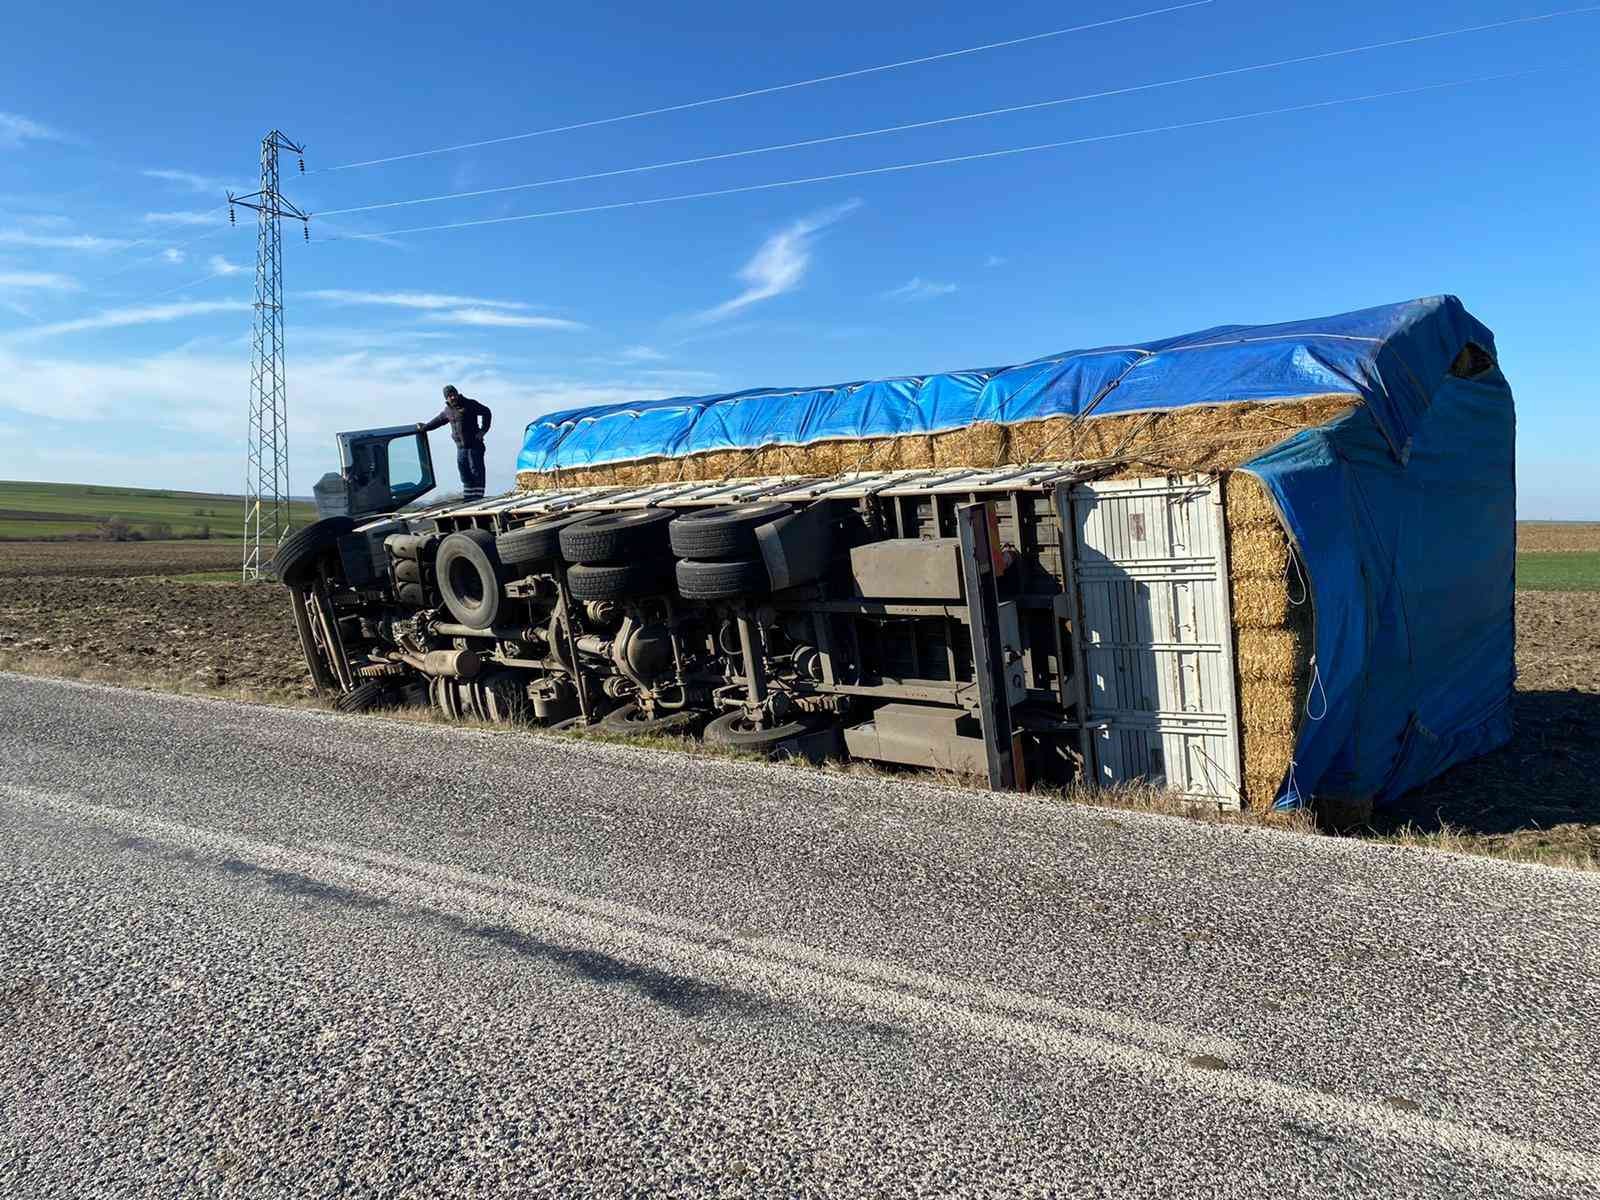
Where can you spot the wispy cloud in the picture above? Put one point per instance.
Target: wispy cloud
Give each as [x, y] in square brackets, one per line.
[155, 420]
[60, 241]
[919, 288]
[501, 319]
[641, 354]
[416, 300]
[149, 314]
[780, 264]
[16, 131]
[172, 255]
[221, 266]
[996, 260]
[187, 179]
[39, 281]
[184, 218]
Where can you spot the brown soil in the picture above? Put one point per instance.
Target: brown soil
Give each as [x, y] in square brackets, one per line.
[117, 558]
[1570, 536]
[154, 631]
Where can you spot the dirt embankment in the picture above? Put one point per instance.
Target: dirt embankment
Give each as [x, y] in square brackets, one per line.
[150, 630]
[106, 612]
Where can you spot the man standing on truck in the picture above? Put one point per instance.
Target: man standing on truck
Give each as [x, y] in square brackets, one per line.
[463, 414]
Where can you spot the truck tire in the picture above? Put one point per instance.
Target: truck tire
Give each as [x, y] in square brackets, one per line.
[537, 541]
[616, 537]
[468, 572]
[717, 580]
[366, 695]
[299, 554]
[726, 531]
[630, 719]
[734, 731]
[618, 581]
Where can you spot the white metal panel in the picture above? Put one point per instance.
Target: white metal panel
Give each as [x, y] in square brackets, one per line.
[1157, 636]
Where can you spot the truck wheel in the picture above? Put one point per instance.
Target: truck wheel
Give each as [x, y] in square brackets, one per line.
[364, 696]
[500, 696]
[715, 580]
[447, 698]
[617, 581]
[736, 732]
[631, 719]
[616, 537]
[299, 554]
[469, 577]
[537, 541]
[726, 531]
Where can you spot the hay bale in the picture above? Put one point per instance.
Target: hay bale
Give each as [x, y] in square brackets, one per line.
[1269, 709]
[1247, 502]
[1268, 756]
[1271, 655]
[633, 474]
[827, 459]
[979, 445]
[1259, 554]
[1261, 790]
[1260, 603]
[1048, 440]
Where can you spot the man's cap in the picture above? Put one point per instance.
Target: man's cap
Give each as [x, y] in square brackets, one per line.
[450, 390]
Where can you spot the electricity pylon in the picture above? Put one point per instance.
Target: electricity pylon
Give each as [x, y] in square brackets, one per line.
[266, 483]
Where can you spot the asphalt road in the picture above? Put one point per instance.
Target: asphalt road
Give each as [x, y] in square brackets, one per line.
[257, 952]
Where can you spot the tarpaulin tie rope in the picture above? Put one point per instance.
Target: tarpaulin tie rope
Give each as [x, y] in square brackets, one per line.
[1293, 792]
[1316, 686]
[1299, 570]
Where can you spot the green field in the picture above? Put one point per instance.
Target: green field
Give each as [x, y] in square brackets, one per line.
[1559, 572]
[36, 511]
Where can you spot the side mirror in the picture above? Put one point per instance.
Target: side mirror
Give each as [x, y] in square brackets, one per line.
[385, 469]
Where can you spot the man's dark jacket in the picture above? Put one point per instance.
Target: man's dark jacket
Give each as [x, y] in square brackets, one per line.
[463, 418]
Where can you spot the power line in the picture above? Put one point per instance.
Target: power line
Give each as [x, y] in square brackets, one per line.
[939, 162]
[150, 258]
[973, 116]
[781, 87]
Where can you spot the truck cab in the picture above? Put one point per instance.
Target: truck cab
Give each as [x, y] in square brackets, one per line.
[380, 471]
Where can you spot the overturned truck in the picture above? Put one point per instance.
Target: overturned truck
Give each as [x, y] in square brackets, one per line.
[1255, 565]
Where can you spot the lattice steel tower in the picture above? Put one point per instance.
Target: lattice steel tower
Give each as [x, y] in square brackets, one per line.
[266, 483]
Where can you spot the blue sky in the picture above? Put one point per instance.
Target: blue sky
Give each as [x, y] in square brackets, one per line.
[124, 296]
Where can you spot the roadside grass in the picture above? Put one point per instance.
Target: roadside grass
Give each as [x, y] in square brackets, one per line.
[24, 662]
[1558, 571]
[1550, 848]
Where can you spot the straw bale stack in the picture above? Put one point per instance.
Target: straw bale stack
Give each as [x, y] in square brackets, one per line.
[1208, 438]
[1272, 634]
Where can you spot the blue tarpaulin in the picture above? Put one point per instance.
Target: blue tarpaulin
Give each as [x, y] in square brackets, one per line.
[1402, 511]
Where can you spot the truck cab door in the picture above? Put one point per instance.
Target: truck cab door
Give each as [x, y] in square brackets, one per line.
[384, 469]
